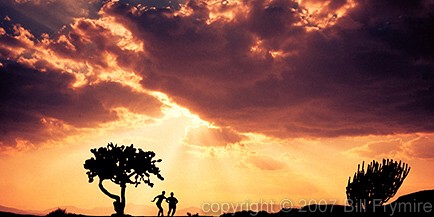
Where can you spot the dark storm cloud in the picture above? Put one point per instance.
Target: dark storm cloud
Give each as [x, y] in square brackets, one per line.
[370, 72]
[30, 97]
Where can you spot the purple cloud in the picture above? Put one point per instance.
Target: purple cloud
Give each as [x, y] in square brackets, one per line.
[368, 73]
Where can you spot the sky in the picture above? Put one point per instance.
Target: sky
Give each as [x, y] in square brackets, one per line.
[244, 101]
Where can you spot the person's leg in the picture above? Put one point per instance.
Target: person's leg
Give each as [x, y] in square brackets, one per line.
[160, 210]
[172, 210]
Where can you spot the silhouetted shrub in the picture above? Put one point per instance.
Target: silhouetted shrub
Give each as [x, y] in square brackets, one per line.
[58, 212]
[377, 184]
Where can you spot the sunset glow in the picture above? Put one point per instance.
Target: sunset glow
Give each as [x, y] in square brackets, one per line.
[244, 101]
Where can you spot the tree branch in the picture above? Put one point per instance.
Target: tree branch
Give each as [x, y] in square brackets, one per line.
[113, 196]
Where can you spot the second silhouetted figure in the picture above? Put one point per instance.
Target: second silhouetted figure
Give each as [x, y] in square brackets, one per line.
[172, 204]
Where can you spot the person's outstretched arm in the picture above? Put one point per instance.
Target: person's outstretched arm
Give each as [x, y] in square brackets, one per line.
[154, 199]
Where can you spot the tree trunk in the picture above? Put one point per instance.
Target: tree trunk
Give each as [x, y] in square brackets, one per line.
[122, 202]
[118, 205]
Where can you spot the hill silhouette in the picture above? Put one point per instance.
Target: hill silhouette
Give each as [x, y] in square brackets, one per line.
[426, 195]
[5, 209]
[132, 209]
[414, 204]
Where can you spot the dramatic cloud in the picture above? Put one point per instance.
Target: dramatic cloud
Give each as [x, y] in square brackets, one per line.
[51, 87]
[268, 69]
[280, 68]
[33, 101]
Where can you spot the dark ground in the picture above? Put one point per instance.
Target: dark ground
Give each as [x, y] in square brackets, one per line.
[418, 204]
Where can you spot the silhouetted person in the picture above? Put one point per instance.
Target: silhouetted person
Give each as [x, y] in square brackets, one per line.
[160, 199]
[172, 204]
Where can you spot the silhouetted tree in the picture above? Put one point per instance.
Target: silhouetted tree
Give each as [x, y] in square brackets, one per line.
[122, 165]
[377, 184]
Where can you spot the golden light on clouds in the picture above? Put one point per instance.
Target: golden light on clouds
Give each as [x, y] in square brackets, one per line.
[126, 39]
[226, 11]
[317, 15]
[345, 8]
[31, 52]
[185, 10]
[114, 73]
[256, 48]
[171, 109]
[276, 54]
